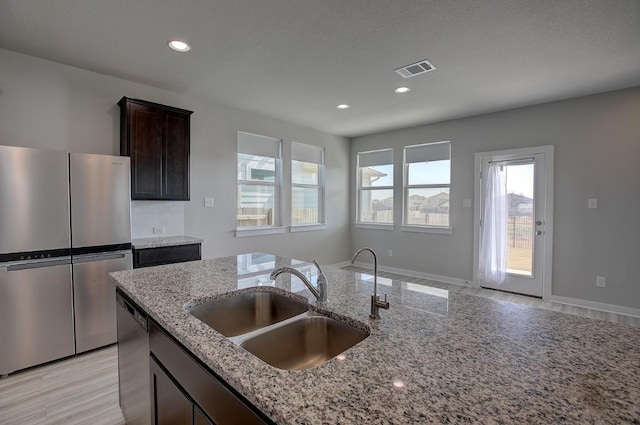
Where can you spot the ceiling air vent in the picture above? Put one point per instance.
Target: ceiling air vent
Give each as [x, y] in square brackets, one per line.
[415, 69]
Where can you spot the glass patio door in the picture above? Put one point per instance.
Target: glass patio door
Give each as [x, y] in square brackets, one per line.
[521, 221]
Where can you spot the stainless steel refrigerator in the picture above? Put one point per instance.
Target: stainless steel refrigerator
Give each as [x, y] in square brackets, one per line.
[64, 224]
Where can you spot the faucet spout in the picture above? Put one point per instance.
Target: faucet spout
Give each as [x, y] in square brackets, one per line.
[320, 293]
[376, 303]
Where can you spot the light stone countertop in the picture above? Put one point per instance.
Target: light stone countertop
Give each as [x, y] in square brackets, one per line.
[434, 357]
[142, 243]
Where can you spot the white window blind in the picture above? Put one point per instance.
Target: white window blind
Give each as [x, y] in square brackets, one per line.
[253, 144]
[307, 153]
[426, 153]
[373, 158]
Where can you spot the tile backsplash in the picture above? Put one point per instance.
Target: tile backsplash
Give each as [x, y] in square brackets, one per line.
[147, 216]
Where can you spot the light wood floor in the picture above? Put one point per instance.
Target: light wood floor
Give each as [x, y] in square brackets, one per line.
[514, 298]
[81, 390]
[84, 389]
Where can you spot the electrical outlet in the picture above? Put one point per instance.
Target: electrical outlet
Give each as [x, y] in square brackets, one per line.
[601, 281]
[159, 230]
[209, 202]
[390, 253]
[593, 203]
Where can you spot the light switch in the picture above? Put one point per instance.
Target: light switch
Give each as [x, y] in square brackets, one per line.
[593, 203]
[208, 202]
[466, 203]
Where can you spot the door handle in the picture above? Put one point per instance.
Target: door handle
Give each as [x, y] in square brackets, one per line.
[37, 265]
[90, 258]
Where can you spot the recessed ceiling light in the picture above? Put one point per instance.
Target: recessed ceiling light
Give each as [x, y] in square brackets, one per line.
[343, 106]
[179, 46]
[402, 89]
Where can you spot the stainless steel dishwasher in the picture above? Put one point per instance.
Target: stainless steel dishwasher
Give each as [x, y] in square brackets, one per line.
[133, 362]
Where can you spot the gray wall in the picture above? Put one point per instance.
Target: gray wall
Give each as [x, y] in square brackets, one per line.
[597, 141]
[597, 155]
[48, 105]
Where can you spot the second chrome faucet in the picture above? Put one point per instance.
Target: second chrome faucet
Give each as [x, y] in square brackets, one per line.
[376, 303]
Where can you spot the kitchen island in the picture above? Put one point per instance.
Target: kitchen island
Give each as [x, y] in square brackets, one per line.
[434, 357]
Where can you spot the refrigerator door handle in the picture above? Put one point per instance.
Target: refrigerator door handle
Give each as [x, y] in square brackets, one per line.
[36, 265]
[87, 258]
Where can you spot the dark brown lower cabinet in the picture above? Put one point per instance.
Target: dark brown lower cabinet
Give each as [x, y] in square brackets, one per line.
[147, 257]
[199, 418]
[184, 391]
[170, 405]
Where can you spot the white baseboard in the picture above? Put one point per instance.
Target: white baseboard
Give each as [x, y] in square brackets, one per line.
[412, 273]
[609, 308]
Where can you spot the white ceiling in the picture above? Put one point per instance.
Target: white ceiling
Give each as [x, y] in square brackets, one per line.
[297, 59]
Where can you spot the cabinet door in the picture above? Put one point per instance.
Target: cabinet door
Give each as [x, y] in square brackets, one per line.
[218, 401]
[145, 134]
[199, 418]
[175, 179]
[169, 405]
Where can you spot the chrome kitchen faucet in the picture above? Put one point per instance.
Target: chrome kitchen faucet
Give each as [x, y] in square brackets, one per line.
[320, 293]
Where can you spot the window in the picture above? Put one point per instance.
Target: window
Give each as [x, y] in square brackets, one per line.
[427, 171]
[259, 180]
[375, 187]
[307, 185]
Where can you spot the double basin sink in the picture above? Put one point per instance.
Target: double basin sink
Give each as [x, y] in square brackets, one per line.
[278, 329]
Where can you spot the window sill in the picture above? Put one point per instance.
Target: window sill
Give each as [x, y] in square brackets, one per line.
[307, 227]
[259, 231]
[426, 229]
[374, 226]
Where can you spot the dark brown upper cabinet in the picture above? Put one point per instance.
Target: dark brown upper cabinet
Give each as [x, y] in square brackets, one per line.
[156, 137]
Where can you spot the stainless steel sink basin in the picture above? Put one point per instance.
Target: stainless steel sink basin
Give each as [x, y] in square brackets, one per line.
[240, 314]
[304, 343]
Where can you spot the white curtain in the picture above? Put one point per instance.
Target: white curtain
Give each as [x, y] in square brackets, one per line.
[493, 243]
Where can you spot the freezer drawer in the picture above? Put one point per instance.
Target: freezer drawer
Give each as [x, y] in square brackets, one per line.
[94, 298]
[100, 200]
[36, 314]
